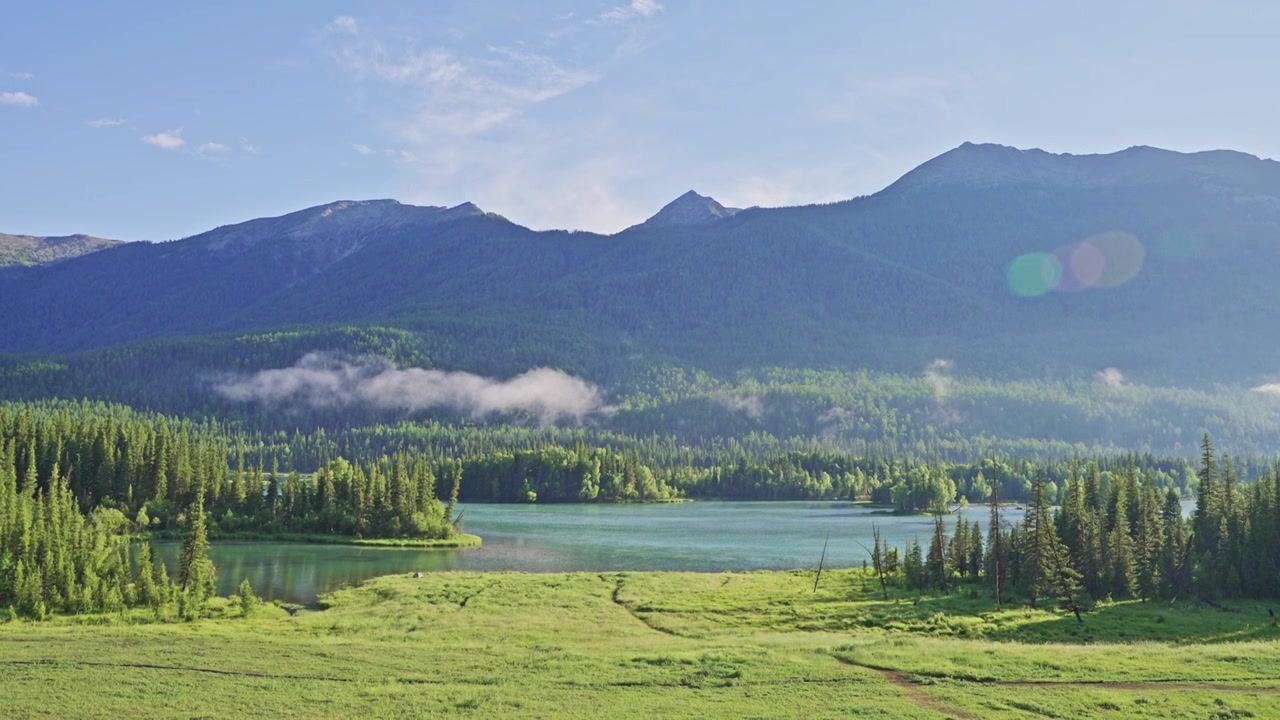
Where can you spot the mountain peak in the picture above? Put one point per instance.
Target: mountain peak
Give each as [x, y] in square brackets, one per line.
[689, 209]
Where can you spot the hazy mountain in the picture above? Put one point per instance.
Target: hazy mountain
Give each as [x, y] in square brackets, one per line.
[1158, 264]
[688, 209]
[37, 250]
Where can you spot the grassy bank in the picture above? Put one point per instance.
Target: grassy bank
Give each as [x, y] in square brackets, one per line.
[461, 540]
[649, 645]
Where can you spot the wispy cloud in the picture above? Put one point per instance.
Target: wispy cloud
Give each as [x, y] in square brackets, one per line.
[18, 99]
[212, 149]
[633, 10]
[482, 121]
[362, 149]
[248, 147]
[169, 139]
[105, 122]
[16, 75]
[458, 94]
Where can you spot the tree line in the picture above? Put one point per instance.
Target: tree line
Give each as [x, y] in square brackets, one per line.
[854, 411]
[152, 466]
[1109, 539]
[56, 558]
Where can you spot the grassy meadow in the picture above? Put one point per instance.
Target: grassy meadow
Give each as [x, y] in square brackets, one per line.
[739, 645]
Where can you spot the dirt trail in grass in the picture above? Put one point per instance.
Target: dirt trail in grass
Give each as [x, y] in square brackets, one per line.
[1171, 684]
[904, 681]
[617, 588]
[912, 689]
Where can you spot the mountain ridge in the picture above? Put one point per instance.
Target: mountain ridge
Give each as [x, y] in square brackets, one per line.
[924, 269]
[995, 165]
[42, 249]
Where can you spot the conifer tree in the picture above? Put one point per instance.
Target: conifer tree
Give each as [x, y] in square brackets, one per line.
[1149, 546]
[995, 545]
[936, 566]
[976, 555]
[197, 575]
[1046, 567]
[959, 547]
[913, 567]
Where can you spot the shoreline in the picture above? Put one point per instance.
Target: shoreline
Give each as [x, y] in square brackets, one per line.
[459, 541]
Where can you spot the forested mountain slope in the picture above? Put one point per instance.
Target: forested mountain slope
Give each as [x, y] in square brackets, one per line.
[1008, 263]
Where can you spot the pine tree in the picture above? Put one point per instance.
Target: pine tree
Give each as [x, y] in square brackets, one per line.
[1122, 568]
[147, 592]
[1204, 524]
[1047, 570]
[995, 544]
[959, 547]
[1120, 571]
[937, 571]
[878, 561]
[1149, 544]
[976, 556]
[197, 575]
[913, 567]
[455, 486]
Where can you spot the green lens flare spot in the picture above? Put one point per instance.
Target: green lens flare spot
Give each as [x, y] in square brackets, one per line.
[1034, 274]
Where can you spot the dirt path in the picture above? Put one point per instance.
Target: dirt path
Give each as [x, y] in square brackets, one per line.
[912, 689]
[1171, 684]
[617, 588]
[907, 683]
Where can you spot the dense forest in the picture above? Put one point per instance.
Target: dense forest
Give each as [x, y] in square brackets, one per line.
[382, 481]
[942, 410]
[1110, 540]
[155, 467]
[78, 480]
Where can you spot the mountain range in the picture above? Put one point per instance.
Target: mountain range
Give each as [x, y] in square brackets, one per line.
[1156, 264]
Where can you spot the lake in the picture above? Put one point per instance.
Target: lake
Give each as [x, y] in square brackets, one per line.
[699, 536]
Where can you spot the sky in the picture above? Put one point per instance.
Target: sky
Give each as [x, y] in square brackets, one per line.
[145, 120]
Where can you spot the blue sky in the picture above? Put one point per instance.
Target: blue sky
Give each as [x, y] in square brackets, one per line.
[151, 120]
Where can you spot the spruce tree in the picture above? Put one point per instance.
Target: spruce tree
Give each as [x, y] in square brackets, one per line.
[976, 556]
[937, 571]
[1149, 545]
[1046, 567]
[995, 544]
[196, 573]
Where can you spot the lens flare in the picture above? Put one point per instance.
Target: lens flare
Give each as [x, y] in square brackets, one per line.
[1106, 260]
[1122, 254]
[1088, 264]
[1034, 274]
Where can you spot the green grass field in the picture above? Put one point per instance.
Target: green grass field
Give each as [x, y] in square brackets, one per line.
[647, 645]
